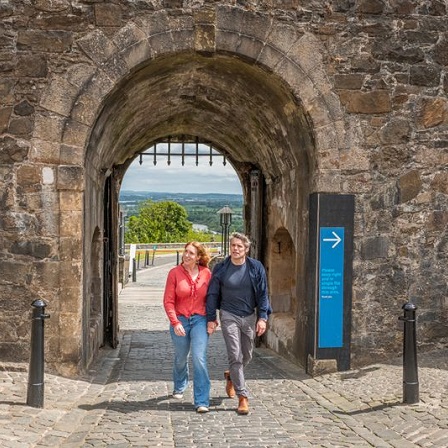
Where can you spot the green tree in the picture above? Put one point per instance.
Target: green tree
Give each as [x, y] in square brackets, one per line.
[158, 222]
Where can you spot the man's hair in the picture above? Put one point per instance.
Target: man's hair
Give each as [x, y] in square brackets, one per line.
[242, 237]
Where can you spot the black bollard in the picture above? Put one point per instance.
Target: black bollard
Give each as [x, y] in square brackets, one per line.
[134, 270]
[35, 396]
[177, 258]
[410, 370]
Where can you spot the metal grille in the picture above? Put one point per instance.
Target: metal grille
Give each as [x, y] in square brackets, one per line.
[182, 146]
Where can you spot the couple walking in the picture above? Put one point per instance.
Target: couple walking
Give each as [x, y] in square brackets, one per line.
[193, 294]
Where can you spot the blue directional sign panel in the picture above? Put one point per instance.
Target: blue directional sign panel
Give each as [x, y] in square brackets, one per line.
[331, 287]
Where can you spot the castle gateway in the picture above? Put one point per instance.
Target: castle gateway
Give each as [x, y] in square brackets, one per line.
[308, 100]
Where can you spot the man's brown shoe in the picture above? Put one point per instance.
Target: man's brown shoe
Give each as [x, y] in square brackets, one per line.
[243, 406]
[230, 390]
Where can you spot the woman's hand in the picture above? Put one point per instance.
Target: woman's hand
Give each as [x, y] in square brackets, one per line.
[211, 327]
[179, 330]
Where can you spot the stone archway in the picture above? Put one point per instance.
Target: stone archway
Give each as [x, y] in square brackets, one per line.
[262, 96]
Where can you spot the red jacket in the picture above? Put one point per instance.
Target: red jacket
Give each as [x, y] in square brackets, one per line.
[183, 296]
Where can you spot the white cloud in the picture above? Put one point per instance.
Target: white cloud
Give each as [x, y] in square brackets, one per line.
[176, 178]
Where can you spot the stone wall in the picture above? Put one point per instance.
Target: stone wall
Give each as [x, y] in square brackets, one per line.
[341, 96]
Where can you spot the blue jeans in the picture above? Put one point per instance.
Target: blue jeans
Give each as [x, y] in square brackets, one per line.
[196, 339]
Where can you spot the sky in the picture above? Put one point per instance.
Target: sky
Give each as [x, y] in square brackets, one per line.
[176, 178]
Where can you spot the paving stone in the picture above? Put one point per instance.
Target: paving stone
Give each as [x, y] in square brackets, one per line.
[124, 399]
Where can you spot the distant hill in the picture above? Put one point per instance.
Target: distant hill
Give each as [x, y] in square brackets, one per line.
[128, 196]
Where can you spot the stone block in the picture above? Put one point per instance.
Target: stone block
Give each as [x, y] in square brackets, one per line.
[425, 75]
[396, 132]
[115, 68]
[128, 36]
[205, 40]
[29, 177]
[258, 26]
[31, 66]
[14, 351]
[70, 248]
[71, 155]
[156, 23]
[374, 247]
[440, 183]
[12, 268]
[5, 114]
[270, 57]
[326, 181]
[46, 276]
[409, 186]
[70, 200]
[36, 249]
[441, 52]
[352, 81]
[107, 14]
[318, 367]
[76, 134]
[183, 39]
[250, 48]
[70, 276]
[432, 112]
[6, 91]
[229, 19]
[21, 127]
[376, 102]
[370, 6]
[59, 97]
[70, 339]
[13, 150]
[70, 177]
[140, 52]
[48, 127]
[288, 39]
[71, 224]
[97, 46]
[44, 152]
[47, 41]
[48, 219]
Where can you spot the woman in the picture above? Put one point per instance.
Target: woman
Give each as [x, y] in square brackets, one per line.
[184, 303]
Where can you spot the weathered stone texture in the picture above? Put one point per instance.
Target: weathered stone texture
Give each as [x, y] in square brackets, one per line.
[341, 96]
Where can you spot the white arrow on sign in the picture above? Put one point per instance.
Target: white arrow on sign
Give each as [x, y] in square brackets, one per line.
[336, 238]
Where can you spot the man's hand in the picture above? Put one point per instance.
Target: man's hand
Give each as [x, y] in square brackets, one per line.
[260, 327]
[211, 327]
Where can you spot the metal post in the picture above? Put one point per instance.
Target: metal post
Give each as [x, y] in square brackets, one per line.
[35, 396]
[134, 270]
[153, 255]
[177, 258]
[410, 370]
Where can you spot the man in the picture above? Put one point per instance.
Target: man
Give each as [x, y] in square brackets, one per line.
[239, 289]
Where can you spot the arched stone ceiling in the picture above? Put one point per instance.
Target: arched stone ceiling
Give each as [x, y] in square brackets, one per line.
[239, 107]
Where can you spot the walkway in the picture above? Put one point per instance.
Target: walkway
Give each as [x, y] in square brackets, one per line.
[124, 400]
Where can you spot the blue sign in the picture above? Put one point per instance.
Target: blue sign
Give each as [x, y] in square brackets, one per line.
[331, 287]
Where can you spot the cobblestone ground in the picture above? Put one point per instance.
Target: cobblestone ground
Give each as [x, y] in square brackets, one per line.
[124, 400]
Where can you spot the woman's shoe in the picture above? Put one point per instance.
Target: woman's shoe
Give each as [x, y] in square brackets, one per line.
[178, 395]
[202, 409]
